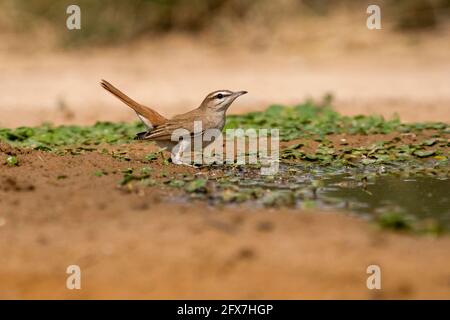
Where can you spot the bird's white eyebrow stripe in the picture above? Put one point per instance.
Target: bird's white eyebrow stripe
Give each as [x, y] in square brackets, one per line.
[224, 93]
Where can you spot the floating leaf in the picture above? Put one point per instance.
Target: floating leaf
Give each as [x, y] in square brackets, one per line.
[424, 153]
[395, 220]
[176, 183]
[367, 161]
[429, 142]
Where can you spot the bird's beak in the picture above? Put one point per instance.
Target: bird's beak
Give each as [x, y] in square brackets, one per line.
[239, 93]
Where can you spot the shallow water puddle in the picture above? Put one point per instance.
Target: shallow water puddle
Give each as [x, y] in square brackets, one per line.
[404, 201]
[394, 197]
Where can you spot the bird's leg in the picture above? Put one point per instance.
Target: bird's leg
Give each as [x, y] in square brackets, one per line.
[177, 153]
[176, 159]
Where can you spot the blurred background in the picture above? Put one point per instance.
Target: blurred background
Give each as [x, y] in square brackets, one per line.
[169, 54]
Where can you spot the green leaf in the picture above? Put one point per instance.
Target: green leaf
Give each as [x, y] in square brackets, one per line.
[429, 142]
[395, 220]
[424, 153]
[176, 183]
[198, 185]
[151, 156]
[12, 161]
[367, 161]
[99, 173]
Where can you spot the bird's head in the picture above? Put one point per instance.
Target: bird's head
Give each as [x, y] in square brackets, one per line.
[220, 100]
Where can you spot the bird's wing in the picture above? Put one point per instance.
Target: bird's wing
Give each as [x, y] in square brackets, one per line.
[165, 131]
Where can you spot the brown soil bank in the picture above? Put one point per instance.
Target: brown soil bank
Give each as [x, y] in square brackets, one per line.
[54, 212]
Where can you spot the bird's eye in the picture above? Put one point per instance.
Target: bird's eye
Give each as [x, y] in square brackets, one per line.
[219, 96]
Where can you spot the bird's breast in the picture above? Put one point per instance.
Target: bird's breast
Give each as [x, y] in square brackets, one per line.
[216, 121]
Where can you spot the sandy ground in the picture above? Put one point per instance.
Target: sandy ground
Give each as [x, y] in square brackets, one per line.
[134, 243]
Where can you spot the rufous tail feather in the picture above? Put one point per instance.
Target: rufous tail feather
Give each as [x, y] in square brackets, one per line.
[154, 117]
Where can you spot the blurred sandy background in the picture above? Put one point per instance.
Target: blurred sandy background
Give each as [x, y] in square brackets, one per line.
[170, 53]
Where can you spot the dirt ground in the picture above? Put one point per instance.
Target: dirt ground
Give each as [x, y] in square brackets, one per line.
[133, 242]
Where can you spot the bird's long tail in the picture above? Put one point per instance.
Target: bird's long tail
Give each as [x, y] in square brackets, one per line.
[153, 117]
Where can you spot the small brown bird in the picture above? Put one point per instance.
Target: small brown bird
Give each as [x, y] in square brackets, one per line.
[211, 114]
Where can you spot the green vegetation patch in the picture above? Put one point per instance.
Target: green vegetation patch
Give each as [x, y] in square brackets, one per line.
[318, 120]
[50, 138]
[306, 120]
[12, 161]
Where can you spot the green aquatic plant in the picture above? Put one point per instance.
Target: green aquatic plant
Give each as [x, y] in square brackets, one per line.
[395, 220]
[48, 137]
